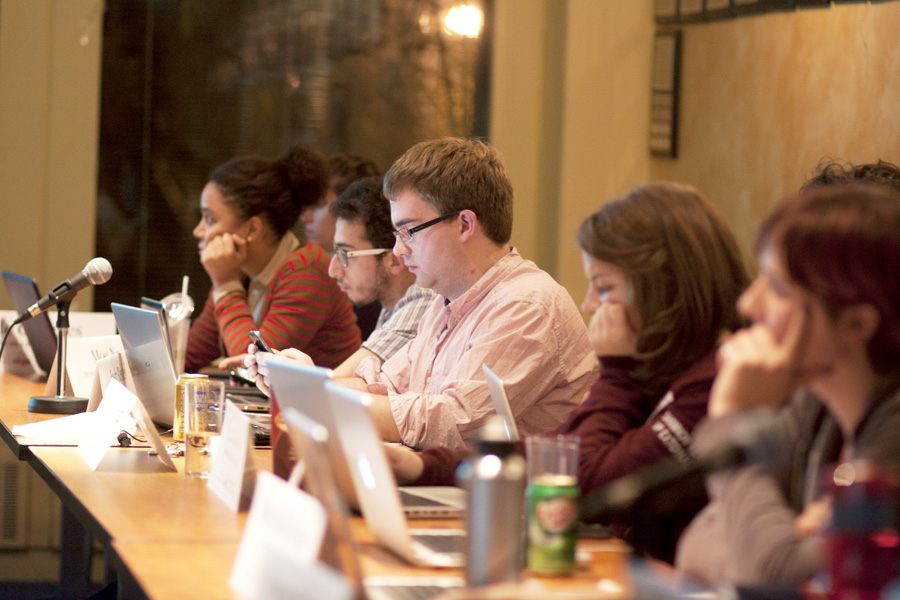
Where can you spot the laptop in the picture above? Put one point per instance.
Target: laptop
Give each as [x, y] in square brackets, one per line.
[23, 292]
[138, 326]
[376, 488]
[501, 403]
[339, 548]
[303, 388]
[160, 308]
[145, 343]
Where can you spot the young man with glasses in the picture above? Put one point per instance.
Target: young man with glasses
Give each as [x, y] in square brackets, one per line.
[451, 206]
[367, 270]
[316, 223]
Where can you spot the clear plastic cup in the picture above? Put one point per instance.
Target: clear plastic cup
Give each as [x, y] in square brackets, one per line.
[205, 409]
[179, 308]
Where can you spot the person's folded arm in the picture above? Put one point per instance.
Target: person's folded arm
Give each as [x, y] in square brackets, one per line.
[750, 513]
[203, 338]
[298, 306]
[529, 352]
[616, 436]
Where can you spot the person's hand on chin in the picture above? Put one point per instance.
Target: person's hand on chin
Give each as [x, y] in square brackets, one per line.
[222, 258]
[610, 331]
[758, 370]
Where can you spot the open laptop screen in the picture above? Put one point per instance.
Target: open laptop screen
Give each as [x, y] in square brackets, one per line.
[23, 292]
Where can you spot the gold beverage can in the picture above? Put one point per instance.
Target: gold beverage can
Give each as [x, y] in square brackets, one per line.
[182, 386]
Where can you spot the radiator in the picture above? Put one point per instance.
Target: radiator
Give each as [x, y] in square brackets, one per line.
[13, 503]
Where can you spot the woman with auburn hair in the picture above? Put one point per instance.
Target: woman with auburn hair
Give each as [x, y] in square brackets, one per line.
[263, 277]
[823, 354]
[664, 273]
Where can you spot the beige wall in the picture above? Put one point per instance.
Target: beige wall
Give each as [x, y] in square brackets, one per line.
[49, 106]
[763, 99]
[526, 112]
[608, 53]
[569, 113]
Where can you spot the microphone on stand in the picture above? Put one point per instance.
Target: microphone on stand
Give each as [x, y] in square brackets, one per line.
[96, 272]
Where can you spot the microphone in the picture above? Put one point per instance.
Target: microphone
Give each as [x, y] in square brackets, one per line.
[96, 272]
[757, 439]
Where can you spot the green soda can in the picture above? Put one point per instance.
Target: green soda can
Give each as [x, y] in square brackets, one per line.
[552, 513]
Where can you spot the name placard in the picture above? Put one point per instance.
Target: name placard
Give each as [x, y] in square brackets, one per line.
[233, 471]
[275, 523]
[112, 416]
[149, 430]
[82, 357]
[107, 369]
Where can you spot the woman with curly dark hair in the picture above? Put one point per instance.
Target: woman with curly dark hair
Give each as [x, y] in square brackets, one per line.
[263, 277]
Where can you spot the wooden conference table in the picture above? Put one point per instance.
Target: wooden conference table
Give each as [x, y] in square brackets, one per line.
[167, 535]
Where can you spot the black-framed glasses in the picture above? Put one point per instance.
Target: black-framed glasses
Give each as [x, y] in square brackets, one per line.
[343, 255]
[406, 233]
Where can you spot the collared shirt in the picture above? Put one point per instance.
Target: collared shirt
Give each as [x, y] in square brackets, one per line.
[518, 321]
[259, 285]
[395, 327]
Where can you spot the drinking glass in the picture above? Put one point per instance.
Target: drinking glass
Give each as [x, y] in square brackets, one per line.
[205, 408]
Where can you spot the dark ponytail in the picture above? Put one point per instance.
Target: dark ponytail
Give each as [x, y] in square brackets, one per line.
[277, 192]
[305, 171]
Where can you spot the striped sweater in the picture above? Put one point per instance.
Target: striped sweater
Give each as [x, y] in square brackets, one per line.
[303, 309]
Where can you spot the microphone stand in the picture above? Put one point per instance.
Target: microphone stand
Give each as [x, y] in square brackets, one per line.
[59, 404]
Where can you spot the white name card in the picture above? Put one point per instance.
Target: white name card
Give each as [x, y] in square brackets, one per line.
[281, 517]
[112, 416]
[149, 430]
[82, 357]
[285, 579]
[109, 368]
[233, 471]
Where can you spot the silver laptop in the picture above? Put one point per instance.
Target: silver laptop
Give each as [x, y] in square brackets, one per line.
[376, 488]
[23, 292]
[160, 308]
[155, 379]
[139, 326]
[339, 548]
[501, 403]
[303, 388]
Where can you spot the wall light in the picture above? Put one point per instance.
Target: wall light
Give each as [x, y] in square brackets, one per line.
[463, 19]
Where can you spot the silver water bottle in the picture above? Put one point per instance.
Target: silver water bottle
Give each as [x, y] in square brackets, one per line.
[494, 478]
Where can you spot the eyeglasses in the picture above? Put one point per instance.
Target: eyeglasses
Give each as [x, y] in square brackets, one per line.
[344, 256]
[406, 234]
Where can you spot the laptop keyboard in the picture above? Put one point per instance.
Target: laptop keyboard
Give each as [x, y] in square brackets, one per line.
[442, 544]
[409, 592]
[412, 500]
